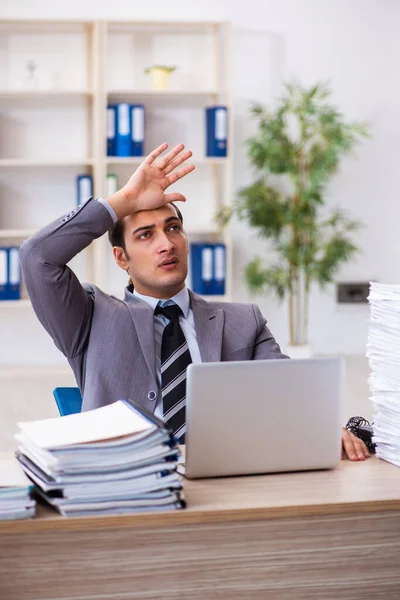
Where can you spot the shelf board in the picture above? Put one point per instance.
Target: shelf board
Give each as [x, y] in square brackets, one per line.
[32, 162]
[51, 93]
[165, 24]
[136, 160]
[16, 234]
[24, 303]
[168, 93]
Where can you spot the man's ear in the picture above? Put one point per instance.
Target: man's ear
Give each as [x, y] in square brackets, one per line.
[120, 257]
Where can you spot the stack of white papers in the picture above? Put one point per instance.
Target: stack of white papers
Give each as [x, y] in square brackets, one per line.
[383, 352]
[114, 459]
[15, 490]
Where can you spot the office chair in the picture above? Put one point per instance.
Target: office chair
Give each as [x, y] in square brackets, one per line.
[68, 399]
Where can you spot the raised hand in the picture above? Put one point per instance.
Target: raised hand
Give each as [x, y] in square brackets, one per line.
[145, 189]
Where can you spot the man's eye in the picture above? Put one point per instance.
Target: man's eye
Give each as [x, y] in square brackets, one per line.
[175, 228]
[144, 235]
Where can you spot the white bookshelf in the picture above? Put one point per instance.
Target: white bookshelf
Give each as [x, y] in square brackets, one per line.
[79, 67]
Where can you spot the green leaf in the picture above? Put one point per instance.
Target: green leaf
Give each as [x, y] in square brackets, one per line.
[274, 278]
[263, 208]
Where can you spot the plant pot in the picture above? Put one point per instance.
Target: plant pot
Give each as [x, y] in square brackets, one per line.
[299, 351]
[159, 78]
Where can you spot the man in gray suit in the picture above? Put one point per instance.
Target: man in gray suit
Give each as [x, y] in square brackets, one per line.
[113, 345]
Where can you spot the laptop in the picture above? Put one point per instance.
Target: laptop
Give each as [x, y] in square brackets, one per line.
[266, 416]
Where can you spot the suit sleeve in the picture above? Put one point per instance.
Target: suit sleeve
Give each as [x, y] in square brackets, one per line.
[265, 345]
[61, 303]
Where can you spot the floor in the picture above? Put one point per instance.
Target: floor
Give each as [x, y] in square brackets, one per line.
[26, 394]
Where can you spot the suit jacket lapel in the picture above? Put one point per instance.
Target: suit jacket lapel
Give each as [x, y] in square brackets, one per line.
[209, 325]
[143, 319]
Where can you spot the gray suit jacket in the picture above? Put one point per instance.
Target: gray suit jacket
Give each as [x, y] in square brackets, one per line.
[109, 342]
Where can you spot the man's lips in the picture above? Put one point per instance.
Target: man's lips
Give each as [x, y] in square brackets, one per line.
[169, 263]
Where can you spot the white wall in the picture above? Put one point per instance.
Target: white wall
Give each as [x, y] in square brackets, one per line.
[355, 45]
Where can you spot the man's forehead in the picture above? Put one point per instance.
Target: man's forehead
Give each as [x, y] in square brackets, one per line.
[151, 217]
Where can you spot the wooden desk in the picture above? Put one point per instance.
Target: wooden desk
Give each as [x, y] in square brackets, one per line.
[322, 535]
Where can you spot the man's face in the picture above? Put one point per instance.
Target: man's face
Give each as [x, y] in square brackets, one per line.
[156, 252]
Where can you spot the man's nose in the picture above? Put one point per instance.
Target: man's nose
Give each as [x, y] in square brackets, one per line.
[166, 244]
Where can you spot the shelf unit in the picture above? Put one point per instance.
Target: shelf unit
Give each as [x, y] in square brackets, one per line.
[102, 62]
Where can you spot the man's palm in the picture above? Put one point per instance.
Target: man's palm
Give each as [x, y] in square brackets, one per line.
[145, 189]
[147, 185]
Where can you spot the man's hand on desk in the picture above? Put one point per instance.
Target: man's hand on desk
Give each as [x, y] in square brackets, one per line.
[352, 447]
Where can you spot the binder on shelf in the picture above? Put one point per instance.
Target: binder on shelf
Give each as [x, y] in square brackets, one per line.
[216, 130]
[201, 259]
[84, 188]
[111, 129]
[111, 184]
[208, 268]
[3, 273]
[14, 274]
[219, 269]
[137, 121]
[123, 140]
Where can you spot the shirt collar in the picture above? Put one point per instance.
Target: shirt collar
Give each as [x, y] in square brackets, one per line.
[182, 299]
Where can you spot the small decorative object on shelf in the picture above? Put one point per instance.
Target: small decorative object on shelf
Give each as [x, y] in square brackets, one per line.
[160, 76]
[31, 80]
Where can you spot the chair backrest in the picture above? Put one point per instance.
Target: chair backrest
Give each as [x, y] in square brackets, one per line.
[68, 399]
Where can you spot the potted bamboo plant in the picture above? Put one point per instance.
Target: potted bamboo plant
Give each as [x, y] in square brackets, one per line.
[295, 152]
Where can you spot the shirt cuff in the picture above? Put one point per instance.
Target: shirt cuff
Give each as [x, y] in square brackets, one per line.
[109, 208]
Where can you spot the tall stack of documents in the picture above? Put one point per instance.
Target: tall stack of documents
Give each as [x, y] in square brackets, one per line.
[114, 459]
[383, 352]
[15, 491]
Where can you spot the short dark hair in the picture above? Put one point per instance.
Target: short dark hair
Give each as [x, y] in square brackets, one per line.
[116, 233]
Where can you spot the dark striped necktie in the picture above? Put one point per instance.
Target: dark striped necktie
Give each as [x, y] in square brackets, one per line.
[175, 357]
